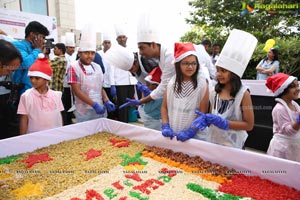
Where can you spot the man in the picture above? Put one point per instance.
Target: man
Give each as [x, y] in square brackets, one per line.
[123, 81]
[30, 47]
[70, 56]
[207, 45]
[58, 65]
[107, 77]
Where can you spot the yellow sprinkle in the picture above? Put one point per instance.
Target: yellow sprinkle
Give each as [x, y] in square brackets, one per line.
[28, 189]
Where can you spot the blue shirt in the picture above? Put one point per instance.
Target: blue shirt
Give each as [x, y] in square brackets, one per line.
[29, 55]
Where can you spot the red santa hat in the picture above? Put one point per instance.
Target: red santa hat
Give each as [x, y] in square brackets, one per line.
[41, 68]
[154, 76]
[182, 50]
[279, 82]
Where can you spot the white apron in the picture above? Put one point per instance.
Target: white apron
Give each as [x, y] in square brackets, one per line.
[233, 138]
[181, 111]
[91, 85]
[286, 146]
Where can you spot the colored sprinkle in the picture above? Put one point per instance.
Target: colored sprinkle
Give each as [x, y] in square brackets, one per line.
[248, 186]
[33, 159]
[28, 189]
[211, 194]
[9, 159]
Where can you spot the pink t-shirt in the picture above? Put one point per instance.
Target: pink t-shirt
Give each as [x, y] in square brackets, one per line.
[282, 122]
[43, 110]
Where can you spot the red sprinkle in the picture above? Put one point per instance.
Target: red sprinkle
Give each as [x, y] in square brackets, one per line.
[258, 188]
[135, 177]
[92, 153]
[33, 159]
[119, 143]
[118, 185]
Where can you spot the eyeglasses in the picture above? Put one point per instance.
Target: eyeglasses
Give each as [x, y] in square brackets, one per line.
[187, 64]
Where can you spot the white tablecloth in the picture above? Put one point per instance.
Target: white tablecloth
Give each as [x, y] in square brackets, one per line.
[278, 170]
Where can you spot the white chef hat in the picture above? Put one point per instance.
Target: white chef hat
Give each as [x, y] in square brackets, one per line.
[106, 36]
[70, 39]
[120, 29]
[237, 52]
[120, 57]
[147, 29]
[88, 38]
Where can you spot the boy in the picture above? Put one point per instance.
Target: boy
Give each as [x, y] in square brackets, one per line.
[86, 80]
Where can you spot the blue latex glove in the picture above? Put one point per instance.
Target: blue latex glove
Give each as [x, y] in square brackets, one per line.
[298, 119]
[167, 131]
[113, 90]
[110, 106]
[130, 102]
[186, 134]
[136, 112]
[217, 121]
[199, 122]
[143, 88]
[98, 108]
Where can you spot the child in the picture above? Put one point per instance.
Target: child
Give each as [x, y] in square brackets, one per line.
[86, 80]
[231, 106]
[286, 119]
[151, 115]
[40, 106]
[186, 91]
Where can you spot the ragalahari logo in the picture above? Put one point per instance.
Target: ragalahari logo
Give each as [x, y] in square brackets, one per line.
[246, 8]
[271, 8]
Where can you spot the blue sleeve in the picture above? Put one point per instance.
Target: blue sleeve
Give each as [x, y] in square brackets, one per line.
[98, 60]
[28, 55]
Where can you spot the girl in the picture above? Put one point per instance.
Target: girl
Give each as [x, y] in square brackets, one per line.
[268, 66]
[231, 106]
[286, 119]
[186, 91]
[40, 106]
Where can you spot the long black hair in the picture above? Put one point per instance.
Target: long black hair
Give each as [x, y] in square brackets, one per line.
[178, 80]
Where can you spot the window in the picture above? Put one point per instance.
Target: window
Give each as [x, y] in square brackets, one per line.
[35, 6]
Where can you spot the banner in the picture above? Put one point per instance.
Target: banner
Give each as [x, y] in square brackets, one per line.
[14, 23]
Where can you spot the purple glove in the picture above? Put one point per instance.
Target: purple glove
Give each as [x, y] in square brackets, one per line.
[113, 90]
[143, 88]
[186, 134]
[98, 108]
[167, 131]
[298, 119]
[200, 122]
[217, 121]
[110, 106]
[130, 102]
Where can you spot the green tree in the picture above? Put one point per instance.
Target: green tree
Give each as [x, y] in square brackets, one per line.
[213, 19]
[264, 23]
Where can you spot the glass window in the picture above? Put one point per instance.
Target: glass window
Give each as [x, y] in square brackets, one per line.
[35, 6]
